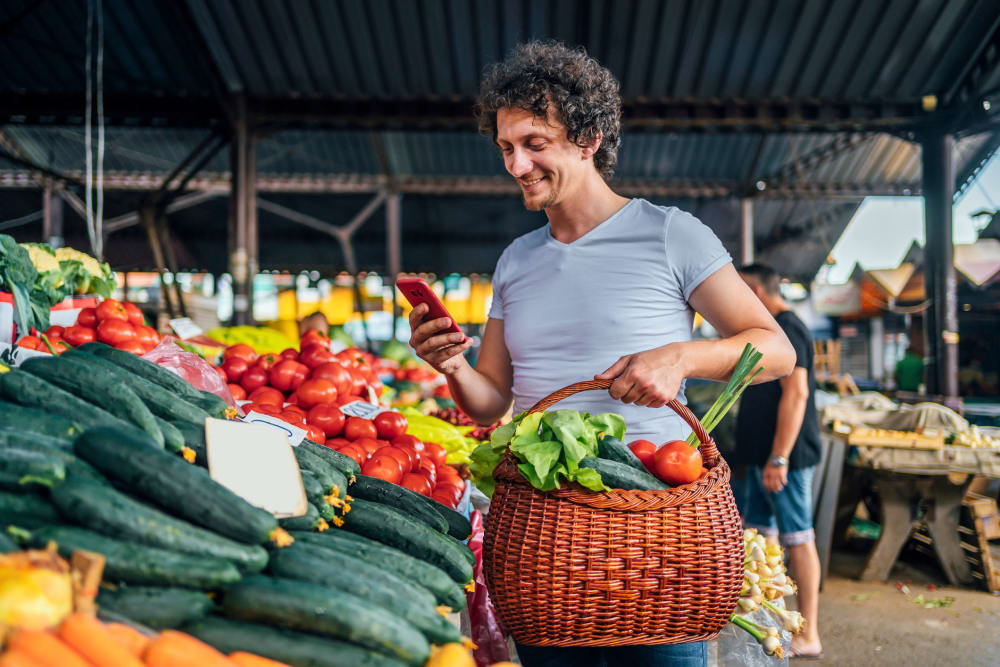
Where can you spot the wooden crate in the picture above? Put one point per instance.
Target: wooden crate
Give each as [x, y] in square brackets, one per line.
[873, 437]
[980, 523]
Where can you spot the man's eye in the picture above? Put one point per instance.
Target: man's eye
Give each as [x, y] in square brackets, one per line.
[536, 147]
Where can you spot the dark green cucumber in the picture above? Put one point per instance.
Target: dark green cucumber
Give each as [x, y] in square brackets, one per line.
[11, 436]
[297, 649]
[44, 422]
[173, 439]
[144, 369]
[75, 468]
[433, 578]
[612, 449]
[311, 520]
[210, 403]
[194, 438]
[110, 512]
[387, 493]
[162, 403]
[185, 490]
[137, 564]
[345, 464]
[7, 545]
[620, 476]
[28, 390]
[390, 526]
[156, 607]
[329, 477]
[26, 510]
[306, 562]
[314, 492]
[326, 611]
[21, 465]
[97, 388]
[458, 526]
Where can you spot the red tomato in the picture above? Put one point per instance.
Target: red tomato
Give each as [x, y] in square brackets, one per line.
[377, 387]
[314, 336]
[222, 373]
[132, 346]
[356, 453]
[87, 318]
[78, 335]
[644, 450]
[32, 343]
[253, 378]
[356, 427]
[147, 335]
[444, 498]
[337, 443]
[264, 409]
[238, 392]
[115, 331]
[235, 367]
[327, 417]
[417, 484]
[290, 353]
[344, 400]
[429, 470]
[135, 316]
[293, 417]
[315, 433]
[316, 354]
[335, 373]
[401, 455]
[414, 457]
[296, 409]
[265, 394]
[282, 375]
[55, 330]
[359, 385]
[448, 475]
[436, 452]
[241, 351]
[316, 391]
[265, 361]
[111, 309]
[383, 467]
[293, 398]
[410, 441]
[390, 424]
[677, 463]
[370, 445]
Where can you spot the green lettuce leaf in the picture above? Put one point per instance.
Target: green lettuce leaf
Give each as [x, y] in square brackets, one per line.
[590, 479]
[541, 454]
[608, 423]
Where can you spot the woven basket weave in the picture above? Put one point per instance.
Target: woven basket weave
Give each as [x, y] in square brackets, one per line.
[573, 567]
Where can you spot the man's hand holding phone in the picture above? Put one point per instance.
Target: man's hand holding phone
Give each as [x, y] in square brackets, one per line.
[435, 342]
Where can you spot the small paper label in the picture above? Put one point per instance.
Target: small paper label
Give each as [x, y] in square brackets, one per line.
[295, 434]
[361, 409]
[13, 356]
[185, 328]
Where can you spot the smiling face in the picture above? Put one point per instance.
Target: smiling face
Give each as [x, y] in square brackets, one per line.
[548, 167]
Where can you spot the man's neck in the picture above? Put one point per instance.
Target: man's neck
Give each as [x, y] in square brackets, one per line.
[590, 204]
[776, 305]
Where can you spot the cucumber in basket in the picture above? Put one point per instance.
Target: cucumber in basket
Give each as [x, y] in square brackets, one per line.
[620, 476]
[612, 449]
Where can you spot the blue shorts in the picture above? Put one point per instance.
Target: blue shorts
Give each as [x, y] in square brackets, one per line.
[786, 514]
[693, 654]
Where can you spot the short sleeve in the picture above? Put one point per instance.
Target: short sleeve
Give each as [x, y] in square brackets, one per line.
[693, 251]
[800, 343]
[499, 276]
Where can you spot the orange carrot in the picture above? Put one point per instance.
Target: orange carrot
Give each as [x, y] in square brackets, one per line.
[91, 639]
[176, 649]
[45, 649]
[14, 658]
[133, 640]
[251, 660]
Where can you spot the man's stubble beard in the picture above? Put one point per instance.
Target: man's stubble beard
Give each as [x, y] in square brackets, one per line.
[547, 202]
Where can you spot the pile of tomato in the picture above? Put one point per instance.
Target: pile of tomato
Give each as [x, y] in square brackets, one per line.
[117, 323]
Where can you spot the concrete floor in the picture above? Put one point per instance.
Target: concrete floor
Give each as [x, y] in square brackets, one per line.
[876, 624]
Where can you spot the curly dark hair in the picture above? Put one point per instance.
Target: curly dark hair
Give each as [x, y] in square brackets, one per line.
[584, 94]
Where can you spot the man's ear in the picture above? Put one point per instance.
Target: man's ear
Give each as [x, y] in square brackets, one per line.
[592, 146]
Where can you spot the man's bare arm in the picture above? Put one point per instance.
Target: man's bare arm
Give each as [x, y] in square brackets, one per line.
[484, 392]
[791, 411]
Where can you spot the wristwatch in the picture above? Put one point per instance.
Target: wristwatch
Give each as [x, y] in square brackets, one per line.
[778, 461]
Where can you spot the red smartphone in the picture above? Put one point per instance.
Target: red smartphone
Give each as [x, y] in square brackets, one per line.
[417, 291]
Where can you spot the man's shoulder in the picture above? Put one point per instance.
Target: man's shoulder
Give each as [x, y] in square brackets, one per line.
[793, 324]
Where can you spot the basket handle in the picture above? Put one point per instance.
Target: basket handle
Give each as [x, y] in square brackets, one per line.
[709, 452]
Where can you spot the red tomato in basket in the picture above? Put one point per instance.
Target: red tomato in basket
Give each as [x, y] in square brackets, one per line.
[238, 392]
[327, 417]
[677, 463]
[77, 335]
[356, 427]
[390, 424]
[644, 450]
[316, 391]
[87, 318]
[263, 394]
[135, 316]
[416, 483]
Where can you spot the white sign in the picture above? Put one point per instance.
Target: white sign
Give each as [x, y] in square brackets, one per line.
[256, 463]
[185, 328]
[361, 409]
[13, 356]
[295, 434]
[836, 299]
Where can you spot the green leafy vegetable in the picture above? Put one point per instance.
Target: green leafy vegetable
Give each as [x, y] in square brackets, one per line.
[19, 276]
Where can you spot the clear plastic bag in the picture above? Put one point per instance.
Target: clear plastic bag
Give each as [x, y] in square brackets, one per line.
[735, 647]
[191, 367]
[487, 631]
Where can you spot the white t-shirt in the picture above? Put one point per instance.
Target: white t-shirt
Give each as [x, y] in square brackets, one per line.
[571, 310]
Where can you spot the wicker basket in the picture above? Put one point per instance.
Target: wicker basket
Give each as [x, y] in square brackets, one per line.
[573, 567]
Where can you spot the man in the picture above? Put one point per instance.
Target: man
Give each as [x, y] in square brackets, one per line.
[317, 321]
[777, 436]
[609, 283]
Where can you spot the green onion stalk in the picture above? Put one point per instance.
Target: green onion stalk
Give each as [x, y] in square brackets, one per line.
[743, 376]
[766, 636]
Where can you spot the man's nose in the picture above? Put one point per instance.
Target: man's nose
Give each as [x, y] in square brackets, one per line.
[518, 164]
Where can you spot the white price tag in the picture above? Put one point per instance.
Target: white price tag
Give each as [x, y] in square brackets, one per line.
[295, 434]
[13, 356]
[361, 409]
[185, 328]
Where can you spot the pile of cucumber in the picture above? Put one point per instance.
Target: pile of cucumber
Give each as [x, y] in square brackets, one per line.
[95, 454]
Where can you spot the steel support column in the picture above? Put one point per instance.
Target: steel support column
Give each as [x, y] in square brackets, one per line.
[941, 321]
[394, 237]
[52, 218]
[746, 231]
[243, 215]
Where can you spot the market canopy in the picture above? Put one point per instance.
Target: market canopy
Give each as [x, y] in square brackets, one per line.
[805, 107]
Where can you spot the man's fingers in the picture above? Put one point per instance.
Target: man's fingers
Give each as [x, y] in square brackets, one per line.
[615, 370]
